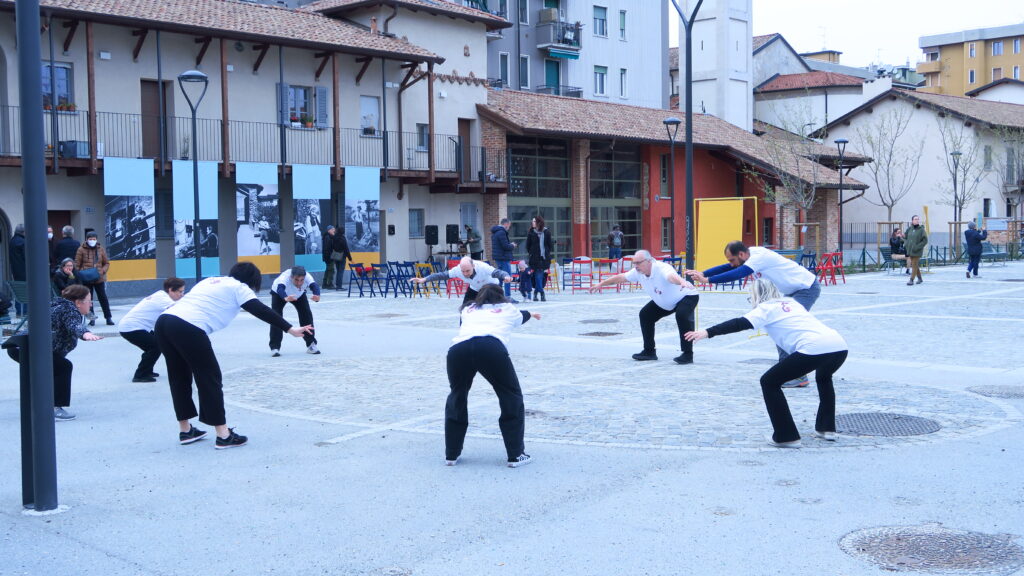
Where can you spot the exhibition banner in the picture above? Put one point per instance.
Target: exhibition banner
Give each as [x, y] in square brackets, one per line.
[258, 215]
[129, 218]
[362, 213]
[182, 180]
[311, 195]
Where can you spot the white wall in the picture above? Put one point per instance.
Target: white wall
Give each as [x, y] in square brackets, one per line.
[776, 58]
[792, 109]
[1011, 93]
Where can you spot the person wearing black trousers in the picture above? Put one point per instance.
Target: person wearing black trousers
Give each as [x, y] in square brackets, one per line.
[480, 348]
[335, 254]
[137, 326]
[541, 247]
[810, 346]
[183, 334]
[974, 248]
[474, 273]
[291, 286]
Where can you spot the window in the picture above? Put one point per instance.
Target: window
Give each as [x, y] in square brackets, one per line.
[417, 220]
[988, 157]
[524, 72]
[997, 48]
[622, 83]
[300, 104]
[600, 80]
[931, 56]
[57, 87]
[987, 207]
[503, 68]
[1016, 45]
[1009, 208]
[622, 24]
[422, 137]
[768, 231]
[1016, 72]
[369, 115]
[666, 233]
[1011, 168]
[970, 76]
[615, 173]
[665, 192]
[600, 21]
[997, 74]
[524, 11]
[970, 50]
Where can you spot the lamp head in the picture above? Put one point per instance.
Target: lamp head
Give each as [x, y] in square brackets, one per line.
[841, 145]
[193, 76]
[672, 126]
[956, 154]
[197, 79]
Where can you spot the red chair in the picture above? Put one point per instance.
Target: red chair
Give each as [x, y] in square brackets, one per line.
[826, 272]
[837, 266]
[454, 285]
[606, 268]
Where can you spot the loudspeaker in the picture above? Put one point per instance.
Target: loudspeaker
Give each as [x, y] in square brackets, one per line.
[451, 234]
[430, 232]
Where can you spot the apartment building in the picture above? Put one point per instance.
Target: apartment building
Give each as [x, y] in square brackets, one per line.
[958, 62]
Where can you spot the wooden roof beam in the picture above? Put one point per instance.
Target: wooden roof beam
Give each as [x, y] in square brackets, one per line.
[259, 59]
[365, 61]
[324, 57]
[141, 35]
[72, 26]
[205, 41]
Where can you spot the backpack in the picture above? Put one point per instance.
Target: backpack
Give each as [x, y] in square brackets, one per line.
[617, 239]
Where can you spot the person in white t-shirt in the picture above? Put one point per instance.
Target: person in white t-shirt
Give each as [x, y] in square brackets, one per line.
[791, 279]
[474, 273]
[810, 345]
[137, 326]
[183, 333]
[480, 348]
[291, 286]
[669, 294]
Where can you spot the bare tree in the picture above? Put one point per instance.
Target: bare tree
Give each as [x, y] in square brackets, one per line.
[896, 160]
[1009, 166]
[794, 158]
[967, 169]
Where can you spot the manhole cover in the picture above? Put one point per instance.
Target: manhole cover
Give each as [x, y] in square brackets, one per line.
[999, 391]
[599, 321]
[935, 549]
[386, 315]
[883, 424]
[602, 334]
[759, 361]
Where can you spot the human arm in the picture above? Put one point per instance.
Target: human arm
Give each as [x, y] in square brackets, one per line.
[263, 312]
[501, 275]
[90, 337]
[731, 275]
[611, 280]
[728, 327]
[315, 289]
[432, 278]
[104, 262]
[679, 280]
[527, 315]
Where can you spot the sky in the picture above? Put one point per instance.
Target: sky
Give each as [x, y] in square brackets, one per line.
[870, 31]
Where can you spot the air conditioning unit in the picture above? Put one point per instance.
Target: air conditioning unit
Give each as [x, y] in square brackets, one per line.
[547, 15]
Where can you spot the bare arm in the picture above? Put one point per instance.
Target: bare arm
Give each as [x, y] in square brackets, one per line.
[617, 279]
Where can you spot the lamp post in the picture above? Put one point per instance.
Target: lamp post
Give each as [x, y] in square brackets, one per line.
[688, 31]
[956, 167]
[672, 128]
[841, 145]
[193, 79]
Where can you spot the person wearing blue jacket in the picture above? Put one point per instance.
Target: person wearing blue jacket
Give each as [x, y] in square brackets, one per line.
[974, 239]
[502, 250]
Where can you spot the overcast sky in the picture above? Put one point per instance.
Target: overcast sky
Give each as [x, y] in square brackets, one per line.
[871, 31]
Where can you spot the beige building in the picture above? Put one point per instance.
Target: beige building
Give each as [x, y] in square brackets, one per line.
[958, 62]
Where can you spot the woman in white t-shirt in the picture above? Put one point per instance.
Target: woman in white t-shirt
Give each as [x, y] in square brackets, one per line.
[480, 348]
[183, 332]
[137, 326]
[810, 345]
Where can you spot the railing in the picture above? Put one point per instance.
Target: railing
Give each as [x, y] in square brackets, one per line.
[572, 91]
[497, 83]
[561, 34]
[487, 165]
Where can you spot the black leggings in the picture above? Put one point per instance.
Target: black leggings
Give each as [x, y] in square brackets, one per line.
[150, 350]
[305, 319]
[188, 352]
[485, 355]
[793, 366]
[684, 312]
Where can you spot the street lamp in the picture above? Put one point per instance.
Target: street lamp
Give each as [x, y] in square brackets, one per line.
[194, 78]
[672, 128]
[956, 204]
[688, 31]
[841, 145]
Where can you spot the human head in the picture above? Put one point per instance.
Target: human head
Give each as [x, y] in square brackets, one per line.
[538, 222]
[298, 275]
[247, 273]
[49, 232]
[736, 253]
[915, 221]
[896, 231]
[763, 290]
[506, 223]
[67, 231]
[67, 265]
[972, 226]
[175, 288]
[209, 229]
[331, 230]
[19, 229]
[79, 295]
[616, 227]
[91, 238]
[466, 267]
[643, 261]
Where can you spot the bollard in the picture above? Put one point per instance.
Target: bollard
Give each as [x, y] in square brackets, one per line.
[17, 349]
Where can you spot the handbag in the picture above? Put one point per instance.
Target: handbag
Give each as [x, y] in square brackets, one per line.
[337, 256]
[89, 275]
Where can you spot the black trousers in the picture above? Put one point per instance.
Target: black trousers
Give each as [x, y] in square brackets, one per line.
[973, 262]
[329, 274]
[685, 320]
[794, 366]
[150, 350]
[99, 291]
[188, 353]
[468, 298]
[305, 319]
[487, 356]
[62, 368]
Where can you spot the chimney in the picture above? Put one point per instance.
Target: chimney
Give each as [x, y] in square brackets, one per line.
[373, 24]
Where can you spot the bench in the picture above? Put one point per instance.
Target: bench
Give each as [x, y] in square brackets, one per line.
[888, 263]
[990, 253]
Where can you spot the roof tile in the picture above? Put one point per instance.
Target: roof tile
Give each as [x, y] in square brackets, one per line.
[436, 6]
[805, 80]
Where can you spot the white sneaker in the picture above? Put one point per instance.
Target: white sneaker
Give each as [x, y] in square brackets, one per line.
[312, 349]
[451, 462]
[62, 415]
[791, 444]
[521, 460]
[830, 436]
[275, 353]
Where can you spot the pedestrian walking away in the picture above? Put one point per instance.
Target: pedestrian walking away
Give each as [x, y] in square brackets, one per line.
[480, 348]
[474, 273]
[974, 238]
[810, 345]
[915, 242]
[792, 279]
[92, 255]
[137, 326]
[615, 238]
[291, 287]
[670, 294]
[183, 333]
[502, 251]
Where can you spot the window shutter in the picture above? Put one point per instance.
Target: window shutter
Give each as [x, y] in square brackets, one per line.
[321, 106]
[283, 118]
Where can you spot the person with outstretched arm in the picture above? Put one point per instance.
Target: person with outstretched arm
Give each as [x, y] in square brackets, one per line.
[474, 273]
[137, 326]
[291, 287]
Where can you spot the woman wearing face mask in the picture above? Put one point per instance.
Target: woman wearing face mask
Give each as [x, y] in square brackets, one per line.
[92, 255]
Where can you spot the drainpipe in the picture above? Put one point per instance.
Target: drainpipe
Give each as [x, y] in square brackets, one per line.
[519, 48]
[394, 12]
[54, 124]
[160, 101]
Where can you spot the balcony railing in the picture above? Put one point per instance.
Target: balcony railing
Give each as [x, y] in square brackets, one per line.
[489, 165]
[571, 91]
[564, 35]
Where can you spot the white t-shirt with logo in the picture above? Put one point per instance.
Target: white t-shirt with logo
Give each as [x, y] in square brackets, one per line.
[213, 303]
[496, 320]
[794, 329]
[786, 274]
[481, 276]
[143, 315]
[290, 289]
[664, 293]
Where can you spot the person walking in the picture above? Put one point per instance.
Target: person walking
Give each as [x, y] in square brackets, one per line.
[335, 254]
[474, 273]
[898, 249]
[541, 247]
[811, 346]
[67, 326]
[670, 294]
[92, 255]
[916, 240]
[137, 326]
[183, 334]
[792, 279]
[291, 287]
[974, 238]
[615, 238]
[64, 275]
[67, 247]
[502, 251]
[474, 244]
[481, 348]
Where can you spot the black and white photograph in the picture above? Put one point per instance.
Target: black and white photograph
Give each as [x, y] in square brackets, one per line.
[259, 220]
[309, 224]
[130, 227]
[362, 225]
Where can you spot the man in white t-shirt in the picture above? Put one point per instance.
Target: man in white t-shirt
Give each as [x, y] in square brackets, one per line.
[291, 287]
[474, 273]
[792, 279]
[137, 325]
[669, 294]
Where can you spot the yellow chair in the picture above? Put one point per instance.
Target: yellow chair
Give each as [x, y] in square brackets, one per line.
[422, 271]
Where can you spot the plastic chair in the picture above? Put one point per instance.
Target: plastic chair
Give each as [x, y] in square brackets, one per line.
[19, 296]
[564, 269]
[809, 261]
[676, 262]
[837, 266]
[454, 285]
[826, 274]
[581, 274]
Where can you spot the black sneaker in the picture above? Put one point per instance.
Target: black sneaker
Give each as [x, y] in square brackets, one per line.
[110, 321]
[521, 460]
[232, 441]
[154, 375]
[684, 359]
[193, 435]
[143, 379]
[645, 355]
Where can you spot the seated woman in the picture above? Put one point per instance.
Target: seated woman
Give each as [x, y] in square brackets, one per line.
[64, 275]
[899, 250]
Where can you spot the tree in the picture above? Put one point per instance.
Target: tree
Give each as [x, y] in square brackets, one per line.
[957, 136]
[896, 161]
[1009, 166]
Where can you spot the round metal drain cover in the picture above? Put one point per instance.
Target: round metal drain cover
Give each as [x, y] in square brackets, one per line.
[999, 391]
[883, 424]
[601, 334]
[935, 549]
[759, 361]
[599, 321]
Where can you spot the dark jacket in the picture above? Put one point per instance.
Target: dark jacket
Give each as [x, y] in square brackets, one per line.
[917, 239]
[67, 325]
[66, 248]
[17, 254]
[502, 249]
[92, 257]
[536, 261]
[974, 239]
[896, 243]
[62, 280]
[336, 243]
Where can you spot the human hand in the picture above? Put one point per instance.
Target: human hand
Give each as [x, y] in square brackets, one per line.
[418, 280]
[289, 298]
[89, 336]
[593, 289]
[314, 298]
[535, 315]
[299, 331]
[695, 335]
[696, 275]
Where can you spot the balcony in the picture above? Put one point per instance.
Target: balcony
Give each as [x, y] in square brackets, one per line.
[929, 67]
[560, 39]
[570, 91]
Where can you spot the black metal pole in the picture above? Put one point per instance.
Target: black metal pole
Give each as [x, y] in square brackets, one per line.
[840, 204]
[162, 121]
[672, 198]
[195, 194]
[54, 124]
[33, 173]
[282, 130]
[688, 29]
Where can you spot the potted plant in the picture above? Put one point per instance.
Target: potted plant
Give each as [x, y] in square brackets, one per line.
[62, 107]
[369, 131]
[46, 107]
[294, 119]
[71, 107]
[307, 121]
